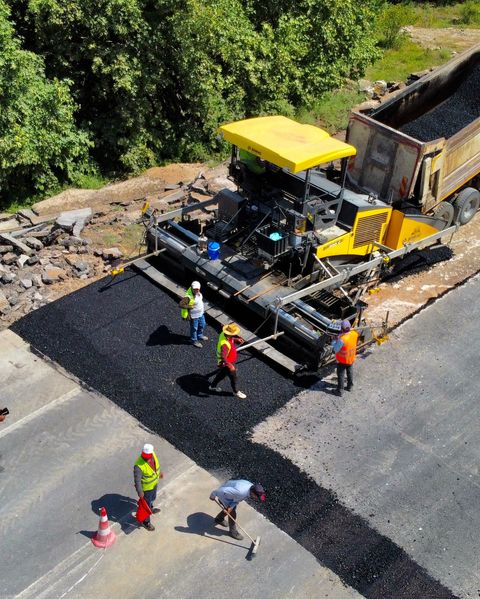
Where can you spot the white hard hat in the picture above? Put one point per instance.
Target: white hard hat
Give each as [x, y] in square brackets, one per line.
[147, 448]
[195, 285]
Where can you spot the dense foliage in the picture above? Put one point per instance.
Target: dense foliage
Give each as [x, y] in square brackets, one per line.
[152, 79]
[40, 144]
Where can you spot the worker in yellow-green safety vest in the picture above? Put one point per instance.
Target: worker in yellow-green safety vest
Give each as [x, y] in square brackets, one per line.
[252, 162]
[226, 357]
[146, 474]
[192, 309]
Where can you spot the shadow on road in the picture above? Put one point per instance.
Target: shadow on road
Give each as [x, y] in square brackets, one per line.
[119, 509]
[197, 385]
[163, 336]
[203, 524]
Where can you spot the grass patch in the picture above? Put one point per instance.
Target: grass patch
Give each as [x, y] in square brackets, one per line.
[331, 110]
[398, 63]
[132, 237]
[89, 181]
[435, 15]
[110, 239]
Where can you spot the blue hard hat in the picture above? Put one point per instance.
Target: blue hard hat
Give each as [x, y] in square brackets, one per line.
[346, 326]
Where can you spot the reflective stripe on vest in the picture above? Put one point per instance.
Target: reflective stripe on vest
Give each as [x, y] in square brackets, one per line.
[149, 476]
[188, 293]
[346, 355]
[222, 340]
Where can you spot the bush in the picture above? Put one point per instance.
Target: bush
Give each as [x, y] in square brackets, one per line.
[470, 12]
[390, 24]
[40, 145]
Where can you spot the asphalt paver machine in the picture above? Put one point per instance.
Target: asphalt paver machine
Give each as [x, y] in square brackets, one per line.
[291, 243]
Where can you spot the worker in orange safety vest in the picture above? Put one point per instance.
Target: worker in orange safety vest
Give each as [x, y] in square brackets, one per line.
[345, 348]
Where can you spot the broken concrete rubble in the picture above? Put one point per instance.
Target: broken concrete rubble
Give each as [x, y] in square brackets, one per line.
[74, 220]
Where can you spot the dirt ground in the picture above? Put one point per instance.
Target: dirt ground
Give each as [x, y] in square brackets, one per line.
[449, 37]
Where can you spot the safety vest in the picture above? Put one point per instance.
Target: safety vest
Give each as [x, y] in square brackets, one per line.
[251, 162]
[188, 293]
[149, 476]
[232, 351]
[346, 355]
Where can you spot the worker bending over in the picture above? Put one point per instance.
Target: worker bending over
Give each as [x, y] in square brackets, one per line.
[193, 310]
[345, 348]
[146, 474]
[230, 494]
[226, 358]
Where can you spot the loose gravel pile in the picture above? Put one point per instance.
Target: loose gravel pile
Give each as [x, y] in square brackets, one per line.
[450, 116]
[126, 340]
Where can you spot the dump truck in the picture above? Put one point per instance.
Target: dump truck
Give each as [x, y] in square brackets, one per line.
[420, 151]
[292, 248]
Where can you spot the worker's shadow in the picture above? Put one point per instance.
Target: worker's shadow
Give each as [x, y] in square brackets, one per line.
[196, 384]
[163, 336]
[203, 524]
[119, 509]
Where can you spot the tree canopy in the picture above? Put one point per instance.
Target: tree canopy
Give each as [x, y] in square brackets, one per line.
[150, 80]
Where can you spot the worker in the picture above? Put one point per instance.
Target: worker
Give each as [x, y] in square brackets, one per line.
[193, 310]
[345, 348]
[253, 163]
[230, 494]
[146, 474]
[3, 414]
[226, 358]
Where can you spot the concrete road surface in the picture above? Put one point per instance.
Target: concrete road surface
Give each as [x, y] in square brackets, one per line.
[66, 451]
[402, 450]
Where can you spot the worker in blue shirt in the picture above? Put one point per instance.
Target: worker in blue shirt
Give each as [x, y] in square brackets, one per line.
[230, 494]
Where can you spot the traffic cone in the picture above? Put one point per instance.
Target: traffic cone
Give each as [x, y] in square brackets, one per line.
[104, 537]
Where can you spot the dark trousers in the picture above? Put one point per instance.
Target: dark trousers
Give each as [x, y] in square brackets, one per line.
[220, 517]
[223, 372]
[341, 369]
[150, 497]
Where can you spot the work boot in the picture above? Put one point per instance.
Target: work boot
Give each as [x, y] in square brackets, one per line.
[349, 387]
[214, 389]
[156, 510]
[338, 392]
[235, 534]
[241, 395]
[149, 526]
[221, 521]
[197, 344]
[203, 338]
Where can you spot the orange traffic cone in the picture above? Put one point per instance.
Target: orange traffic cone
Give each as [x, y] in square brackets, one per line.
[104, 537]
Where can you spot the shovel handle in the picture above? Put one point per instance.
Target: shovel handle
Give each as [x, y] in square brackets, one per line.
[232, 518]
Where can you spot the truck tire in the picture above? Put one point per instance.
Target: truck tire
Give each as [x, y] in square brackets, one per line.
[444, 211]
[466, 205]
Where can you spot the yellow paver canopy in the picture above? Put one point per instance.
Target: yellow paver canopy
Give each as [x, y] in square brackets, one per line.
[286, 143]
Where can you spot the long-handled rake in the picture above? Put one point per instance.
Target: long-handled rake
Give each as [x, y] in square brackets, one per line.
[255, 542]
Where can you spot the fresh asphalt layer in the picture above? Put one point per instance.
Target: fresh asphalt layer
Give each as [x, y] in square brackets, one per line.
[127, 341]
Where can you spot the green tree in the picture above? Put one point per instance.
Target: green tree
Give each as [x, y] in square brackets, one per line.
[155, 78]
[40, 146]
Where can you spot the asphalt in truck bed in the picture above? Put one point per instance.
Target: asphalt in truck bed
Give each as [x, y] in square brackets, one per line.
[125, 339]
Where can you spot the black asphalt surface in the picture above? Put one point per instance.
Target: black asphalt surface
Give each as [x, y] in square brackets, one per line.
[127, 341]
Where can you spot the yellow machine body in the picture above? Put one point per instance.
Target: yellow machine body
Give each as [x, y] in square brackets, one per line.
[389, 227]
[403, 230]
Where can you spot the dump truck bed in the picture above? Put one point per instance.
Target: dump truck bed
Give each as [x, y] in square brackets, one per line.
[437, 118]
